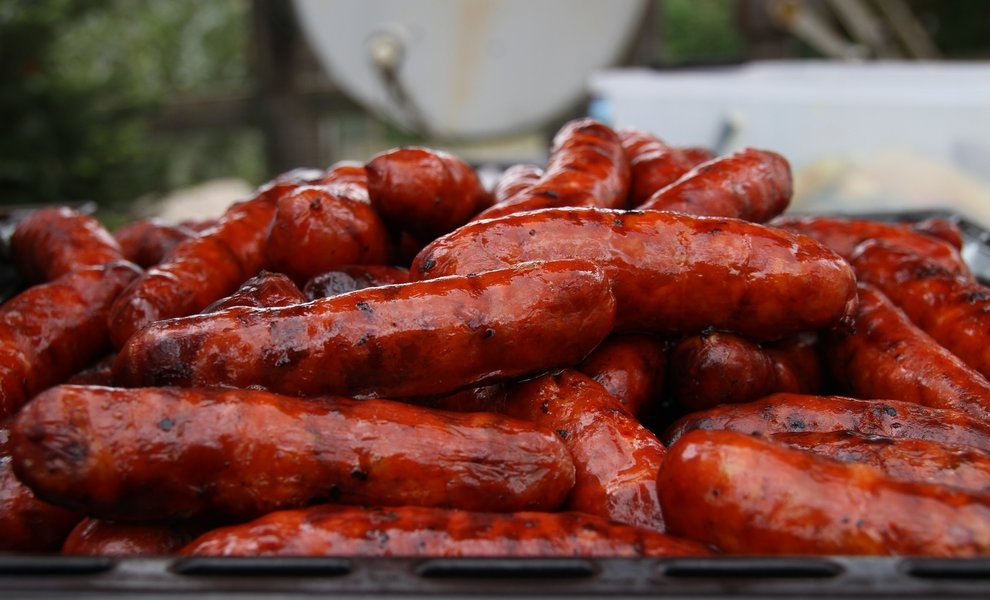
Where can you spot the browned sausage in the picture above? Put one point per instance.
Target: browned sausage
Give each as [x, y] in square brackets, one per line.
[514, 180]
[696, 154]
[953, 309]
[889, 357]
[413, 531]
[99, 373]
[426, 192]
[715, 368]
[616, 459]
[96, 537]
[587, 167]
[53, 330]
[347, 178]
[942, 229]
[630, 367]
[843, 235]
[238, 454]
[264, 290]
[912, 460]
[746, 495]
[205, 268]
[671, 273]
[354, 277]
[754, 185]
[653, 164]
[51, 242]
[413, 339]
[797, 412]
[147, 241]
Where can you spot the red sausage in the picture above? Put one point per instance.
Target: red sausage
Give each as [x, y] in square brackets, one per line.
[514, 180]
[353, 277]
[746, 495]
[100, 373]
[653, 164]
[238, 454]
[630, 367]
[148, 241]
[754, 185]
[942, 229]
[671, 273]
[95, 537]
[51, 242]
[414, 339]
[412, 531]
[264, 290]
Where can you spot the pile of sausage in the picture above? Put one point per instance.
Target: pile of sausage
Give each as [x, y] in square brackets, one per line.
[626, 352]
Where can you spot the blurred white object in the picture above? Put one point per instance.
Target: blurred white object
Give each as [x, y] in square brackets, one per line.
[470, 68]
[206, 200]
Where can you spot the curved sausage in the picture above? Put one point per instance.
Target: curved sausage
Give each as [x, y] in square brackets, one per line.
[514, 180]
[746, 495]
[354, 277]
[413, 531]
[147, 242]
[615, 458]
[53, 330]
[99, 373]
[264, 290]
[587, 167]
[238, 454]
[671, 273]
[653, 164]
[753, 185]
[426, 192]
[943, 229]
[414, 339]
[889, 357]
[51, 242]
[96, 537]
[798, 412]
[630, 367]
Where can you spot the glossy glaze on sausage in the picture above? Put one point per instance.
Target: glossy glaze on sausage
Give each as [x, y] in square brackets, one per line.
[799, 412]
[653, 164]
[238, 454]
[96, 537]
[51, 242]
[943, 229]
[587, 167]
[349, 278]
[147, 242]
[412, 531]
[414, 339]
[53, 330]
[630, 367]
[746, 495]
[889, 357]
[616, 459]
[751, 184]
[671, 273]
[264, 290]
[515, 179]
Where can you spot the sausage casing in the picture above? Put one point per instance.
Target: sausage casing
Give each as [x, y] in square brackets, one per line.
[51, 242]
[653, 164]
[630, 367]
[96, 537]
[147, 242]
[264, 290]
[354, 277]
[514, 180]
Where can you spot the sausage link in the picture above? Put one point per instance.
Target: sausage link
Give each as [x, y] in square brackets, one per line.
[51, 242]
[889, 357]
[746, 495]
[630, 367]
[616, 459]
[514, 180]
[911, 460]
[347, 178]
[238, 454]
[99, 373]
[943, 229]
[426, 192]
[96, 537]
[353, 277]
[414, 531]
[414, 339]
[798, 412]
[264, 290]
[653, 164]
[148, 241]
[587, 167]
[53, 330]
[671, 273]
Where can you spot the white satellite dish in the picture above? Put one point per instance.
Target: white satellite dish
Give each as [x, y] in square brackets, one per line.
[468, 68]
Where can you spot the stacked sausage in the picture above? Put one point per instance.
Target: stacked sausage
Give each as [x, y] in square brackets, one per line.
[625, 353]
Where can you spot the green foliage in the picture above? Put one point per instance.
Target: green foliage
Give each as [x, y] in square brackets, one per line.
[700, 31]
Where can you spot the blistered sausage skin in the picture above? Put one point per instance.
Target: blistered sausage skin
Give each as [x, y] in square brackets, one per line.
[264, 290]
[630, 367]
[747, 495]
[146, 242]
[53, 330]
[514, 180]
[96, 537]
[751, 184]
[889, 357]
[414, 531]
[426, 192]
[653, 164]
[799, 412]
[959, 466]
[238, 454]
[51, 242]
[616, 459]
[953, 309]
[353, 277]
[587, 167]
[671, 273]
[413, 339]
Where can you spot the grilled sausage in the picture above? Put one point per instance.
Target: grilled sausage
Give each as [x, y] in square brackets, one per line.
[653, 164]
[889, 357]
[616, 459]
[148, 241]
[753, 185]
[587, 167]
[238, 454]
[943, 229]
[265, 290]
[53, 330]
[671, 273]
[514, 180]
[99, 373]
[353, 277]
[630, 367]
[413, 339]
[911, 460]
[413, 531]
[51, 242]
[751, 496]
[96, 537]
[798, 412]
